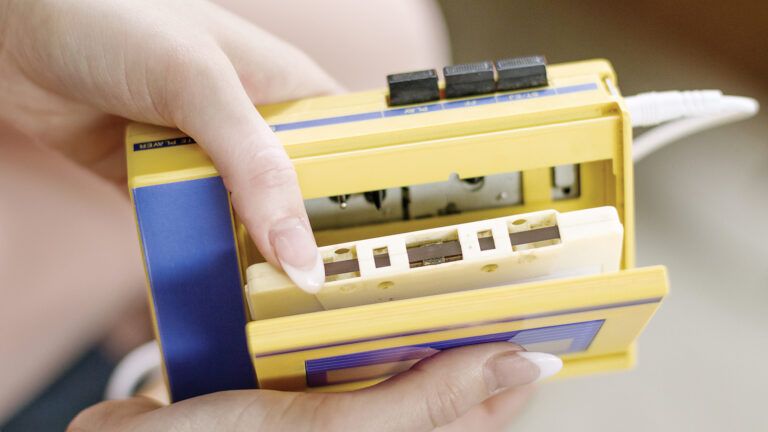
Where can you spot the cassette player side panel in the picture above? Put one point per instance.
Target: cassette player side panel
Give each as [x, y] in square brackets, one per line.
[582, 319]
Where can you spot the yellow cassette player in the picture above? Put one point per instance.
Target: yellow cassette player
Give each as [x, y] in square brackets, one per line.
[495, 205]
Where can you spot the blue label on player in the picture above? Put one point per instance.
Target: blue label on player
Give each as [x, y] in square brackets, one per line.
[560, 339]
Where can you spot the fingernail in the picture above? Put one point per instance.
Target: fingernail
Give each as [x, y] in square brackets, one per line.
[518, 368]
[297, 252]
[548, 364]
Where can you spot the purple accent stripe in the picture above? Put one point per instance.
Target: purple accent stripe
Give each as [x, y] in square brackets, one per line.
[395, 112]
[465, 325]
[419, 109]
[575, 88]
[540, 93]
[470, 102]
[432, 107]
[328, 121]
[384, 355]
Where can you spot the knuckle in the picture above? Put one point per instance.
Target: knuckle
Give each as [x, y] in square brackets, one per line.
[325, 413]
[304, 411]
[190, 59]
[444, 396]
[444, 404]
[270, 169]
[184, 66]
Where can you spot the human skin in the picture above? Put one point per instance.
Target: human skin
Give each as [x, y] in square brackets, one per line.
[70, 267]
[73, 71]
[480, 387]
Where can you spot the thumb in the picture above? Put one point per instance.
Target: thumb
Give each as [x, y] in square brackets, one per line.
[433, 393]
[439, 390]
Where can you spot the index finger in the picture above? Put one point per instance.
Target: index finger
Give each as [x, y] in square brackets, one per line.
[211, 105]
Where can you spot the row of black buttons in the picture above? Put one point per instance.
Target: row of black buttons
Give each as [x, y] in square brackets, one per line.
[468, 79]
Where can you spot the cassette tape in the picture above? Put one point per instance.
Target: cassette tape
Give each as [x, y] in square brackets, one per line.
[514, 249]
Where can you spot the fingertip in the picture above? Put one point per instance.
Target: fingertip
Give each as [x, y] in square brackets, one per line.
[517, 368]
[548, 364]
[308, 279]
[296, 251]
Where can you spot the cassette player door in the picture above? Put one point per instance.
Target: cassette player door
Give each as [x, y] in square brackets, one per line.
[592, 322]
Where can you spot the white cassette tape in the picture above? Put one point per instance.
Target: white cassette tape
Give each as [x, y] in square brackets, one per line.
[494, 252]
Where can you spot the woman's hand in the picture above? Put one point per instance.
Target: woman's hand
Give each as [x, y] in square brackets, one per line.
[71, 71]
[471, 388]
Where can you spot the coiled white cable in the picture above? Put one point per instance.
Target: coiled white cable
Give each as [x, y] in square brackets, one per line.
[687, 112]
[132, 370]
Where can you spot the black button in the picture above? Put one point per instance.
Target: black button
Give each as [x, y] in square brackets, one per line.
[521, 72]
[469, 79]
[413, 87]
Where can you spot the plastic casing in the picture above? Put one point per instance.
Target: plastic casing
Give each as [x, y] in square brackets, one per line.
[196, 252]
